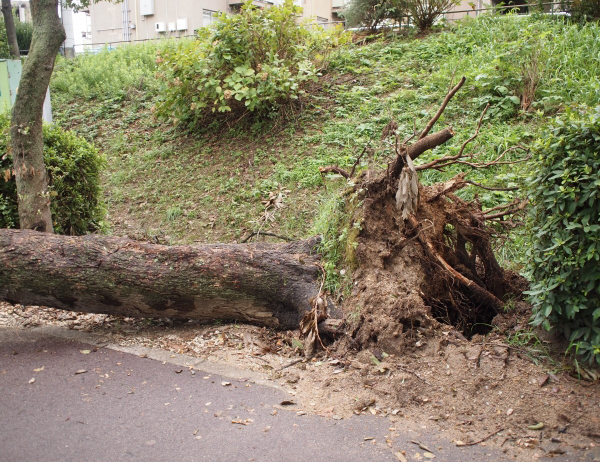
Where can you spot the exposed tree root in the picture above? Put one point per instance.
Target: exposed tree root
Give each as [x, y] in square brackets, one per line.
[424, 255]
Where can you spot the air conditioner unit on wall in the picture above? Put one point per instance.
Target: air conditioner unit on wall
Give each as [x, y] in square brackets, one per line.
[172, 27]
[160, 27]
[182, 24]
[146, 7]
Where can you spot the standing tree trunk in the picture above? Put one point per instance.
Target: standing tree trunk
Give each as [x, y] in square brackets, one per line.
[267, 284]
[11, 32]
[27, 143]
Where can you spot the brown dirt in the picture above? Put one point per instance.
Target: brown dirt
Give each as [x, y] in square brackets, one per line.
[441, 382]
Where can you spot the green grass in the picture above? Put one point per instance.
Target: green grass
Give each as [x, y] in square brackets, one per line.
[217, 179]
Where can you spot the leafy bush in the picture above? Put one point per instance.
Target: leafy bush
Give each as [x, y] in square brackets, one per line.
[4, 50]
[109, 73]
[372, 13]
[254, 61]
[24, 32]
[73, 168]
[564, 259]
[583, 10]
[426, 12]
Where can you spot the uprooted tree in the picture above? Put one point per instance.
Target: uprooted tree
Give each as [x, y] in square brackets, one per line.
[422, 253]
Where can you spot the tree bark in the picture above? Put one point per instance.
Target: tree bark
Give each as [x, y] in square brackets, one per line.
[27, 144]
[267, 284]
[11, 32]
[419, 147]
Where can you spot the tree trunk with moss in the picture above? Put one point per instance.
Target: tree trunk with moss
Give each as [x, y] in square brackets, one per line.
[27, 144]
[11, 32]
[267, 284]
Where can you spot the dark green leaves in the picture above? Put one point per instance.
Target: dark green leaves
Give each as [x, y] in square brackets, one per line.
[565, 289]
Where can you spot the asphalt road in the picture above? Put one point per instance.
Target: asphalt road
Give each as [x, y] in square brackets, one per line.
[130, 408]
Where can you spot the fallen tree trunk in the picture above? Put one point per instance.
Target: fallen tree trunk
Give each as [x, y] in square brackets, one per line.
[267, 284]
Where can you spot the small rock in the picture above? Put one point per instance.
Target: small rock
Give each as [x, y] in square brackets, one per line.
[337, 417]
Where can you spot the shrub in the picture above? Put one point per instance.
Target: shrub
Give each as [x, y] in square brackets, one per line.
[254, 61]
[24, 34]
[73, 168]
[426, 12]
[564, 259]
[372, 13]
[583, 10]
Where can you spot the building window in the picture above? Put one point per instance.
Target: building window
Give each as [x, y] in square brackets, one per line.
[208, 17]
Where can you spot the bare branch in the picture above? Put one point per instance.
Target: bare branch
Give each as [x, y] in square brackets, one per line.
[488, 188]
[334, 169]
[437, 115]
[464, 145]
[358, 160]
[418, 148]
[509, 211]
[446, 161]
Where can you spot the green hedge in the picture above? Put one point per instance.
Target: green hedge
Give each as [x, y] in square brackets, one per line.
[73, 168]
[565, 256]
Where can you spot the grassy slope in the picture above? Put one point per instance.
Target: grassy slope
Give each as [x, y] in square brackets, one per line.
[209, 187]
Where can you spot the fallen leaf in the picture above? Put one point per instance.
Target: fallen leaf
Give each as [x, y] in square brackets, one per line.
[287, 402]
[537, 426]
[39, 369]
[239, 422]
[179, 371]
[226, 384]
[368, 438]
[400, 457]
[428, 455]
[337, 417]
[85, 352]
[509, 412]
[32, 380]
[80, 371]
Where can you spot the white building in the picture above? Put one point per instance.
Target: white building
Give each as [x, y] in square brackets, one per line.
[133, 20]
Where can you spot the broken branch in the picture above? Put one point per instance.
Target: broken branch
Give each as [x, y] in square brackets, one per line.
[335, 169]
[460, 443]
[438, 114]
[418, 148]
